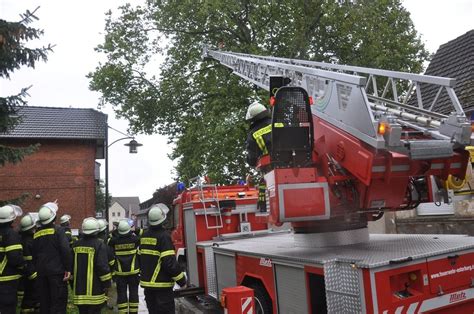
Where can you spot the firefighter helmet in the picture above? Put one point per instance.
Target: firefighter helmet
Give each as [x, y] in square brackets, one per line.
[123, 227]
[47, 213]
[27, 222]
[9, 213]
[157, 214]
[256, 111]
[64, 219]
[90, 225]
[102, 224]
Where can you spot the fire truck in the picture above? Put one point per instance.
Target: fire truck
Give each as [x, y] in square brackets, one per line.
[348, 144]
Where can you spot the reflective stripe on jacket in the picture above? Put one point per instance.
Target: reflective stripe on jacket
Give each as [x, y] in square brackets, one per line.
[91, 272]
[159, 268]
[125, 249]
[11, 254]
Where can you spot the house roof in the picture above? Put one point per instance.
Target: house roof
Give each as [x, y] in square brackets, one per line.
[59, 123]
[128, 202]
[454, 59]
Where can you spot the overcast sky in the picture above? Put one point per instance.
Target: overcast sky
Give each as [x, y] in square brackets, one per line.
[76, 27]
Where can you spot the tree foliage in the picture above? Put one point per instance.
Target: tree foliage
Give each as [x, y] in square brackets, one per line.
[13, 55]
[199, 104]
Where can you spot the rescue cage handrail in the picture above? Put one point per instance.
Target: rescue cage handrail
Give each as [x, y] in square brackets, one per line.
[415, 80]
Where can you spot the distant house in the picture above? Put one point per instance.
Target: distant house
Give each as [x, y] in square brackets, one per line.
[123, 207]
[64, 167]
[454, 59]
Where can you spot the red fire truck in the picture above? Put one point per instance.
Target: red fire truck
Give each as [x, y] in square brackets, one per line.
[344, 151]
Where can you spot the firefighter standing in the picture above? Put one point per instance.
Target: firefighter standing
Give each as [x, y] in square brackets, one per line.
[259, 142]
[65, 222]
[127, 269]
[91, 276]
[53, 261]
[30, 302]
[159, 268]
[103, 235]
[11, 257]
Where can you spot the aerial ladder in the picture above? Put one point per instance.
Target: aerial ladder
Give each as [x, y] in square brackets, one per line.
[371, 142]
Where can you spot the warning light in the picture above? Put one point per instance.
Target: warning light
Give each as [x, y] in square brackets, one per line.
[382, 128]
[272, 101]
[311, 102]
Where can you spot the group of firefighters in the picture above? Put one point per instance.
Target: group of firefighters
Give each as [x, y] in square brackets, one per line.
[42, 259]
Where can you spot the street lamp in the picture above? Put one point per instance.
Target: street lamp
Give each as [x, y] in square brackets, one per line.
[133, 144]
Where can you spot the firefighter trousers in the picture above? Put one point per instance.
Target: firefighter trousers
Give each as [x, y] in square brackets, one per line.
[53, 294]
[30, 302]
[90, 309]
[160, 301]
[8, 296]
[127, 302]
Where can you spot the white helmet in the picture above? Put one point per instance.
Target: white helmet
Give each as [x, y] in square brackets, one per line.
[123, 227]
[157, 214]
[256, 111]
[47, 213]
[64, 219]
[102, 224]
[27, 222]
[90, 225]
[9, 213]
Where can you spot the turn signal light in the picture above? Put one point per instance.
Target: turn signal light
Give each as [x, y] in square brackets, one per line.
[382, 128]
[311, 101]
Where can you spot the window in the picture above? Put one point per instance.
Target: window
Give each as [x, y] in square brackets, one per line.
[113, 214]
[118, 214]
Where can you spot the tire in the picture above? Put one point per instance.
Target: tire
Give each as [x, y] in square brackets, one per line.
[263, 302]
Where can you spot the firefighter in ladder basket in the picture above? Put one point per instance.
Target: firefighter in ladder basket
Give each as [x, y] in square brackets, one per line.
[259, 143]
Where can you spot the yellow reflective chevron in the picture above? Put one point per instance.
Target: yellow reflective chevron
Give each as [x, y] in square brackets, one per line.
[43, 232]
[258, 136]
[89, 299]
[148, 284]
[28, 258]
[3, 264]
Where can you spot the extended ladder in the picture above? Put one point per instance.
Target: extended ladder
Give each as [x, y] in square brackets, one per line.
[351, 99]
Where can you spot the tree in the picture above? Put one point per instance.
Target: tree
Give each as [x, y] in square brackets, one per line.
[199, 104]
[13, 55]
[100, 197]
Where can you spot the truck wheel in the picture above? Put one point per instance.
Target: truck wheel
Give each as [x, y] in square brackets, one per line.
[263, 303]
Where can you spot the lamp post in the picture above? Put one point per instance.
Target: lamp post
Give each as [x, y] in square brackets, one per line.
[133, 144]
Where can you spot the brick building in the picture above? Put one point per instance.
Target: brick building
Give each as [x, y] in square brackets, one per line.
[64, 167]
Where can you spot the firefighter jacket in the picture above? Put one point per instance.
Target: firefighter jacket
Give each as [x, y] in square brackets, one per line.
[71, 239]
[110, 253]
[27, 243]
[51, 251]
[159, 268]
[125, 249]
[91, 272]
[11, 254]
[259, 140]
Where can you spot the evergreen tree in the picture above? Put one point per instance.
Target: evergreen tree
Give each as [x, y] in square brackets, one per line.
[13, 55]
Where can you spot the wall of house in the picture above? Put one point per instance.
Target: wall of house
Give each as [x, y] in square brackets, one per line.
[60, 169]
[116, 213]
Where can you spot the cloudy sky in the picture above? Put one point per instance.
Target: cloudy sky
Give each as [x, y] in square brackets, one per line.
[76, 27]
